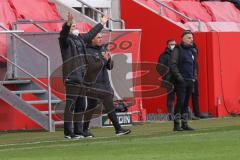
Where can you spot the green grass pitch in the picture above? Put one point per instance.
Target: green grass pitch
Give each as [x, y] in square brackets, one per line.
[214, 139]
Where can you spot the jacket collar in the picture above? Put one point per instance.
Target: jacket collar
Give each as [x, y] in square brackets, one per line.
[168, 51]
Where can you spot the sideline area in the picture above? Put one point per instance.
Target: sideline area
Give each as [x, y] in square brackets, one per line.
[152, 140]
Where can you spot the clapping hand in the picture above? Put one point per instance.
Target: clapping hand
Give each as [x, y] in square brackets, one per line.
[107, 55]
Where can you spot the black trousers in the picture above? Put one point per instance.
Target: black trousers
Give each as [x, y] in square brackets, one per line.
[195, 100]
[170, 101]
[93, 95]
[73, 113]
[183, 91]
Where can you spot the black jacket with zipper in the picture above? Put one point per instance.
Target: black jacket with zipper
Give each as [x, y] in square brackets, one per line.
[177, 60]
[97, 70]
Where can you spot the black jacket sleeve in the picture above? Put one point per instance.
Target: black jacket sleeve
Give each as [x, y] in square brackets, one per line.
[162, 60]
[109, 64]
[63, 39]
[174, 62]
[92, 33]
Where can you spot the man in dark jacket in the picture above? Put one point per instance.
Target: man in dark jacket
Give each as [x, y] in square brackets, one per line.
[73, 50]
[183, 64]
[99, 61]
[164, 59]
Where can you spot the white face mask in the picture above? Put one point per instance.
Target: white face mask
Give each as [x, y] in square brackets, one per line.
[171, 47]
[75, 32]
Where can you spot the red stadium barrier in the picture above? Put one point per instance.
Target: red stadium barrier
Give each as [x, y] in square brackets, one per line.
[223, 63]
[195, 26]
[155, 32]
[223, 26]
[219, 91]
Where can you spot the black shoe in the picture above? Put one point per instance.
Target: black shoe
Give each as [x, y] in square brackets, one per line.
[88, 134]
[187, 128]
[177, 129]
[122, 131]
[177, 126]
[203, 116]
[195, 118]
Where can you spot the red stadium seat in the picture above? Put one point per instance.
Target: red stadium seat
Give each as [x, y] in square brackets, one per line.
[192, 9]
[13, 10]
[223, 11]
[165, 12]
[151, 4]
[46, 11]
[7, 16]
[170, 14]
[37, 10]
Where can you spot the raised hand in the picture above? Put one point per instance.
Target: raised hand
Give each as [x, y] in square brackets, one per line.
[69, 19]
[104, 20]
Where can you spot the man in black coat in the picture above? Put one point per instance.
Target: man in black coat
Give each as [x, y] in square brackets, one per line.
[73, 50]
[164, 59]
[96, 77]
[183, 64]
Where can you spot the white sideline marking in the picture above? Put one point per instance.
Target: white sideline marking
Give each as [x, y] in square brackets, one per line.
[53, 141]
[73, 144]
[74, 140]
[51, 146]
